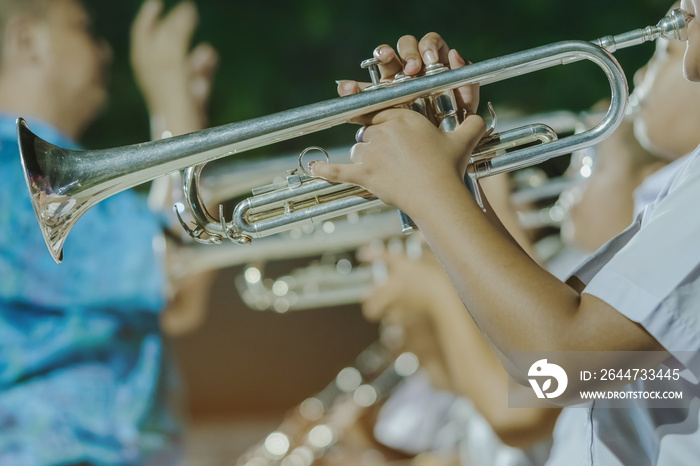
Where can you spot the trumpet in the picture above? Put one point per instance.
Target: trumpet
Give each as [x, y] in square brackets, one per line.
[64, 184]
[314, 286]
[331, 281]
[237, 177]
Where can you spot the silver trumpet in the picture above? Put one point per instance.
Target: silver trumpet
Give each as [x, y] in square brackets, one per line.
[331, 281]
[64, 184]
[317, 285]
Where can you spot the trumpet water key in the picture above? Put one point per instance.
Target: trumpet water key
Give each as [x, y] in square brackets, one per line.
[64, 184]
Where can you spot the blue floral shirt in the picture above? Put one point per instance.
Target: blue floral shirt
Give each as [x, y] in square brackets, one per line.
[81, 357]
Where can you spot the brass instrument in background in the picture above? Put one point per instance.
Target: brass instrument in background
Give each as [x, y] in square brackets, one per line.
[64, 184]
[319, 422]
[331, 281]
[343, 234]
[534, 187]
[320, 284]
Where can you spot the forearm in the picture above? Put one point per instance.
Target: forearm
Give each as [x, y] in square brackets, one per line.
[499, 210]
[511, 298]
[467, 354]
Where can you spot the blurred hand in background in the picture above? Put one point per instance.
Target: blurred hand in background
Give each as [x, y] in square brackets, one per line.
[175, 79]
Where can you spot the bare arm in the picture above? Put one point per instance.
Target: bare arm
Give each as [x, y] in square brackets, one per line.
[419, 288]
[476, 373]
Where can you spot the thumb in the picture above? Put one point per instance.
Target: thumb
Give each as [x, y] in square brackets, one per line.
[469, 133]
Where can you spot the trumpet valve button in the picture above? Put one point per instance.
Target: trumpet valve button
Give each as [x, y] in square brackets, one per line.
[372, 65]
[435, 68]
[402, 77]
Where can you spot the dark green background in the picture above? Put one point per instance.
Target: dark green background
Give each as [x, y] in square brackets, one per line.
[277, 55]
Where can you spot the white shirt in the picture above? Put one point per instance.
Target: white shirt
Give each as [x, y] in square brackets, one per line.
[575, 441]
[419, 418]
[651, 274]
[413, 415]
[647, 192]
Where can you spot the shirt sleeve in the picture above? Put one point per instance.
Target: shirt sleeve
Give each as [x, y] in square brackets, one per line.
[654, 278]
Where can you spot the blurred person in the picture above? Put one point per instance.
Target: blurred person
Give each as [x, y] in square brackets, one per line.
[660, 95]
[601, 205]
[627, 162]
[636, 293]
[663, 108]
[84, 377]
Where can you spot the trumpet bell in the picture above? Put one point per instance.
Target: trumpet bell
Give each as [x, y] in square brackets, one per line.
[57, 200]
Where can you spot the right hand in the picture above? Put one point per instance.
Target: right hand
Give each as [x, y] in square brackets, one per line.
[408, 162]
[176, 81]
[403, 158]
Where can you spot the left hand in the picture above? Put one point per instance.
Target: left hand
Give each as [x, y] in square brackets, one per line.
[405, 160]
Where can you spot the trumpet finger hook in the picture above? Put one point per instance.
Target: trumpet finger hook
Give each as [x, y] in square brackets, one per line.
[303, 167]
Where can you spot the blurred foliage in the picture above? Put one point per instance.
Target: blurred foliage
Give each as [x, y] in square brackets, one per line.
[277, 55]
